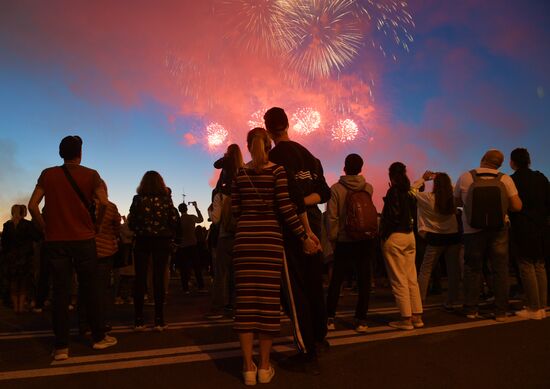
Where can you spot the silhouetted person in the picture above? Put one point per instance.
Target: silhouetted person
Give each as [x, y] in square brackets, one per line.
[69, 243]
[304, 287]
[530, 232]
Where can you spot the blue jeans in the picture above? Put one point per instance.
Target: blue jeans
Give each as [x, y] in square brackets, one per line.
[431, 257]
[533, 276]
[62, 257]
[494, 245]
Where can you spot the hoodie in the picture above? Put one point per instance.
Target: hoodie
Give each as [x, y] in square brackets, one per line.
[336, 206]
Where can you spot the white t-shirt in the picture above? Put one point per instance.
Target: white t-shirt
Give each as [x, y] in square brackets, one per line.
[428, 219]
[466, 180]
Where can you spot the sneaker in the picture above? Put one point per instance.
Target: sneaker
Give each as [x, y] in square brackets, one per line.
[330, 324]
[138, 325]
[37, 310]
[214, 315]
[249, 377]
[106, 342]
[473, 315]
[160, 327]
[361, 327]
[401, 325]
[60, 354]
[530, 314]
[500, 317]
[417, 323]
[266, 375]
[452, 307]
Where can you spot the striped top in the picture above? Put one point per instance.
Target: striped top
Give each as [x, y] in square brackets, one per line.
[107, 240]
[265, 193]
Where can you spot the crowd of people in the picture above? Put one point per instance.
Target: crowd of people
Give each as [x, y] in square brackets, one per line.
[269, 243]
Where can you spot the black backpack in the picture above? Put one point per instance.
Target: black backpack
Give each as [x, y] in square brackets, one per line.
[486, 202]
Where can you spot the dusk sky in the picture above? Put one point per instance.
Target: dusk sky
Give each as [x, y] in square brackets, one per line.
[142, 81]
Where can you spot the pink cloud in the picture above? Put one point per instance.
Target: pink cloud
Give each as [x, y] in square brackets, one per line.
[189, 139]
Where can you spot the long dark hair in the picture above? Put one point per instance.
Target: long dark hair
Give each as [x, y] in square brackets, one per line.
[152, 183]
[398, 177]
[234, 155]
[443, 192]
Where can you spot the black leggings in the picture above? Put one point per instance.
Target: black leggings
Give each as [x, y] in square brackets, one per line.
[159, 250]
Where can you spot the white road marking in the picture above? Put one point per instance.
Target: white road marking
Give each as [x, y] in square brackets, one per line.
[188, 354]
[13, 335]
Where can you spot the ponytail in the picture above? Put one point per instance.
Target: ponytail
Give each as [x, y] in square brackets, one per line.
[258, 145]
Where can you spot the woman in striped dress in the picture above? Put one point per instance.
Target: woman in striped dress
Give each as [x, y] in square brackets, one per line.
[259, 196]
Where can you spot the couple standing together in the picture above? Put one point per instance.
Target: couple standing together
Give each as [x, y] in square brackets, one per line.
[274, 198]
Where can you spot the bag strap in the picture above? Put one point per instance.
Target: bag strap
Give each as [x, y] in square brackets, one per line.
[255, 189]
[476, 176]
[75, 187]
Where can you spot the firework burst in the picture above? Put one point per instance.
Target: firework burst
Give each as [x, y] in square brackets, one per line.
[345, 131]
[216, 135]
[326, 36]
[392, 20]
[305, 121]
[257, 119]
[259, 26]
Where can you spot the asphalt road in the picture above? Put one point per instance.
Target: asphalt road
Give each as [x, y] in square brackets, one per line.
[450, 352]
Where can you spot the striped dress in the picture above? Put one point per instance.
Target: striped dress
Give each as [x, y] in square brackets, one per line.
[258, 199]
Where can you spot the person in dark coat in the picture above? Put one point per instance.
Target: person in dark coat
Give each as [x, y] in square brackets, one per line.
[530, 232]
[17, 242]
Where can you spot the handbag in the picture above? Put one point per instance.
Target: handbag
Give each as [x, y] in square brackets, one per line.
[90, 206]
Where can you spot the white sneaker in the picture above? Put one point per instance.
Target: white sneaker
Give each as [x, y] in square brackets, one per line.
[401, 325]
[249, 377]
[60, 354]
[107, 341]
[361, 327]
[417, 323]
[330, 324]
[160, 327]
[530, 314]
[266, 375]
